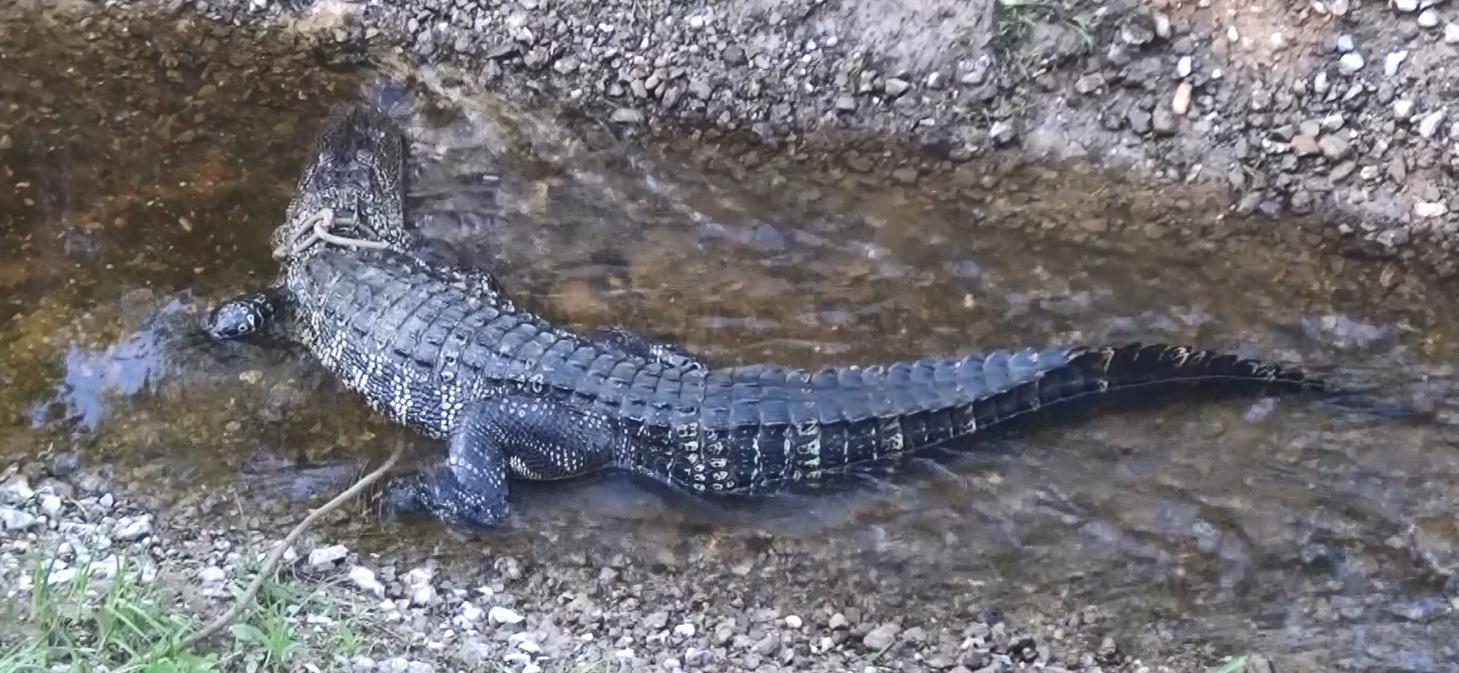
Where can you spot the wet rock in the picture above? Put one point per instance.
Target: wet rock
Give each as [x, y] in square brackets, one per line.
[324, 558]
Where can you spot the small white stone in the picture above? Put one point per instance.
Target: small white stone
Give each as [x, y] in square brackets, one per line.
[61, 576]
[1180, 103]
[1232, 35]
[1429, 125]
[685, 630]
[470, 614]
[1428, 18]
[1392, 61]
[1403, 109]
[793, 621]
[324, 557]
[503, 615]
[1345, 43]
[51, 504]
[418, 577]
[14, 519]
[1184, 66]
[212, 575]
[423, 594]
[364, 578]
[1451, 33]
[1351, 62]
[1405, 5]
[133, 528]
[16, 491]
[1429, 209]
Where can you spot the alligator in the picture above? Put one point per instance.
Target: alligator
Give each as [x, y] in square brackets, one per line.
[442, 349]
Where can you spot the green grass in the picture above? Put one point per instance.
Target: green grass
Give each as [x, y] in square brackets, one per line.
[88, 623]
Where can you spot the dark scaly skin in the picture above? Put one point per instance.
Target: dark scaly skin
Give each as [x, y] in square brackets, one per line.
[441, 350]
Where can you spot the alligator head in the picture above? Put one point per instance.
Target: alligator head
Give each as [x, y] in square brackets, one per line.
[351, 193]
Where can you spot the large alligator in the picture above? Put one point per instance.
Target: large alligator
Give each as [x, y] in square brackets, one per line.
[442, 350]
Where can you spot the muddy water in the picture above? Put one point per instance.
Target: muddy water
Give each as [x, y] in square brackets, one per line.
[140, 175]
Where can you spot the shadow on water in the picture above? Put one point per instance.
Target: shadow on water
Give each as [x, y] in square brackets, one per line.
[143, 170]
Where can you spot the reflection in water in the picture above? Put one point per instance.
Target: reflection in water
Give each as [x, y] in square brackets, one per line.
[1276, 523]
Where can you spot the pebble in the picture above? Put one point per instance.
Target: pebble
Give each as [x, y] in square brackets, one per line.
[1334, 146]
[503, 615]
[838, 621]
[881, 637]
[1393, 61]
[1451, 33]
[212, 575]
[1351, 62]
[470, 614]
[896, 87]
[1345, 43]
[1184, 66]
[846, 103]
[685, 630]
[14, 519]
[474, 652]
[16, 491]
[1428, 18]
[1403, 109]
[625, 115]
[323, 558]
[1406, 5]
[1429, 125]
[51, 505]
[1181, 103]
[133, 528]
[793, 621]
[1304, 145]
[362, 663]
[1430, 209]
[423, 594]
[364, 579]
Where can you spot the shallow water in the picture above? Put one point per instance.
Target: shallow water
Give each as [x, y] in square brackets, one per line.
[134, 193]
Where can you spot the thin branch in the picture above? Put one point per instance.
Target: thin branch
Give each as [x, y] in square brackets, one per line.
[271, 562]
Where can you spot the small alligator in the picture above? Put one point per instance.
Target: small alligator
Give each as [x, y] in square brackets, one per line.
[441, 349]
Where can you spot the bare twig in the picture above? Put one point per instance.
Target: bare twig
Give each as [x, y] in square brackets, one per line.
[271, 562]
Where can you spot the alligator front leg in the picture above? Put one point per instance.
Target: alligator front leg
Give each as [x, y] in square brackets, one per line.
[517, 433]
[244, 315]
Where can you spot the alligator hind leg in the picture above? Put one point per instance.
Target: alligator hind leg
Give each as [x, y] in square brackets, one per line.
[244, 315]
[520, 433]
[665, 353]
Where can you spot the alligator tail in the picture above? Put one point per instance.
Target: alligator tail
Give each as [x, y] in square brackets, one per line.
[1137, 371]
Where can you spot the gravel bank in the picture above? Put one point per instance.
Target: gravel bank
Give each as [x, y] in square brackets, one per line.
[1332, 116]
[579, 613]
